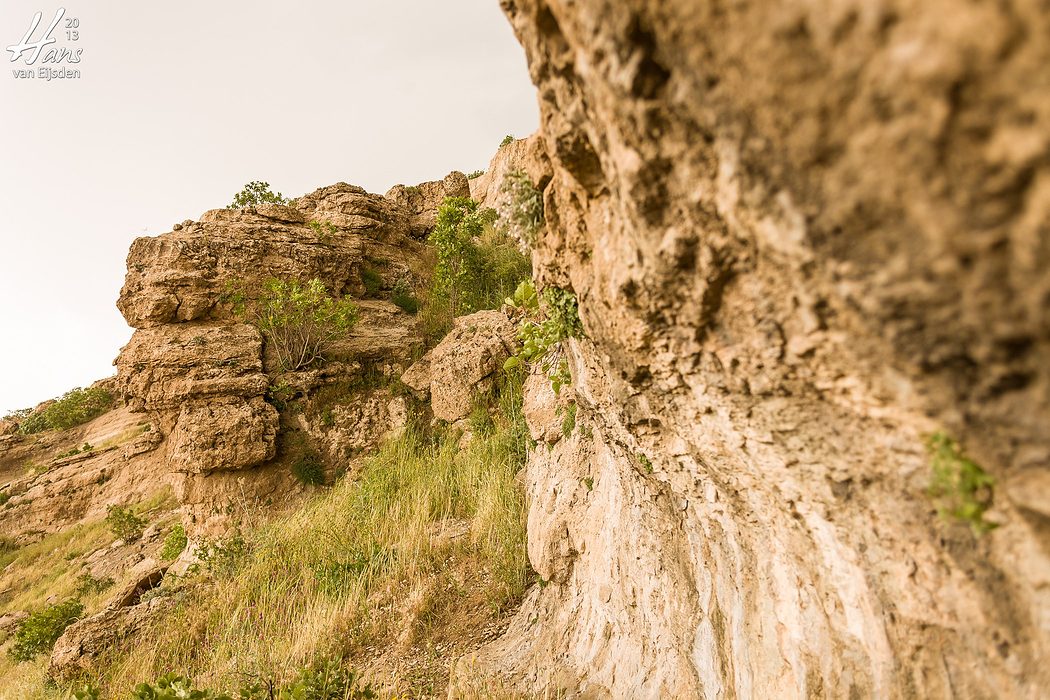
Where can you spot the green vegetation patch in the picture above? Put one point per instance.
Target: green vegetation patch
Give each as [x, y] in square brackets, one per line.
[73, 408]
[959, 487]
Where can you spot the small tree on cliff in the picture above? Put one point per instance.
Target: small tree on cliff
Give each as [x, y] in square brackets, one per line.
[460, 221]
[255, 193]
[301, 321]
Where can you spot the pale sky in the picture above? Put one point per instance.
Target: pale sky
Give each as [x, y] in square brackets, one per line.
[179, 104]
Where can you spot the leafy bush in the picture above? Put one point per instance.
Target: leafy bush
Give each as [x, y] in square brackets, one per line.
[255, 193]
[38, 633]
[174, 543]
[300, 321]
[88, 584]
[460, 221]
[124, 523]
[477, 265]
[309, 469]
[73, 408]
[4, 497]
[542, 330]
[960, 488]
[521, 207]
[507, 140]
[372, 281]
[475, 174]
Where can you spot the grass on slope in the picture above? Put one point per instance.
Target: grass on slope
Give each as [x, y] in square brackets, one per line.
[415, 560]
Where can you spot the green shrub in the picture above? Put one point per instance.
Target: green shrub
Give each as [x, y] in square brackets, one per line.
[372, 281]
[38, 633]
[646, 463]
[309, 469]
[73, 408]
[224, 556]
[124, 523]
[507, 140]
[4, 497]
[324, 230]
[475, 174]
[8, 544]
[960, 488]
[542, 330]
[477, 266]
[88, 584]
[174, 543]
[521, 207]
[299, 321]
[255, 193]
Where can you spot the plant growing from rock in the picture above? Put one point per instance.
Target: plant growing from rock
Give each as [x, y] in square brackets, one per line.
[73, 408]
[543, 328]
[521, 207]
[124, 523]
[475, 174]
[960, 488]
[309, 469]
[38, 633]
[300, 322]
[174, 543]
[507, 140]
[324, 230]
[255, 193]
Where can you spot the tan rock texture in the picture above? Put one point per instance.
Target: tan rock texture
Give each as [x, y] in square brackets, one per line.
[803, 236]
[465, 363]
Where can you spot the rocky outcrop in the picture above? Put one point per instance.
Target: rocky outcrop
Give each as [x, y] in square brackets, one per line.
[465, 363]
[205, 376]
[802, 236]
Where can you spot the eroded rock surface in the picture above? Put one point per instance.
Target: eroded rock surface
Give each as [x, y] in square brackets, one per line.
[803, 236]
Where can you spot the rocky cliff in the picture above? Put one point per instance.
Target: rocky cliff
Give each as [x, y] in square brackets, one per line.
[804, 237]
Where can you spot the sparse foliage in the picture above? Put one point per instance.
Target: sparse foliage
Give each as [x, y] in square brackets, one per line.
[73, 408]
[301, 321]
[543, 328]
[255, 193]
[174, 543]
[521, 207]
[124, 523]
[507, 140]
[475, 174]
[960, 488]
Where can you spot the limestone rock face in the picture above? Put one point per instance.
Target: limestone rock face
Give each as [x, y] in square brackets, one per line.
[464, 363]
[215, 436]
[424, 199]
[803, 237]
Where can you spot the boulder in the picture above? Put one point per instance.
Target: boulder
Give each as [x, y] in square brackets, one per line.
[464, 364]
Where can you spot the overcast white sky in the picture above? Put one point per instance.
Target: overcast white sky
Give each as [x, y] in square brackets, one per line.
[181, 103]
